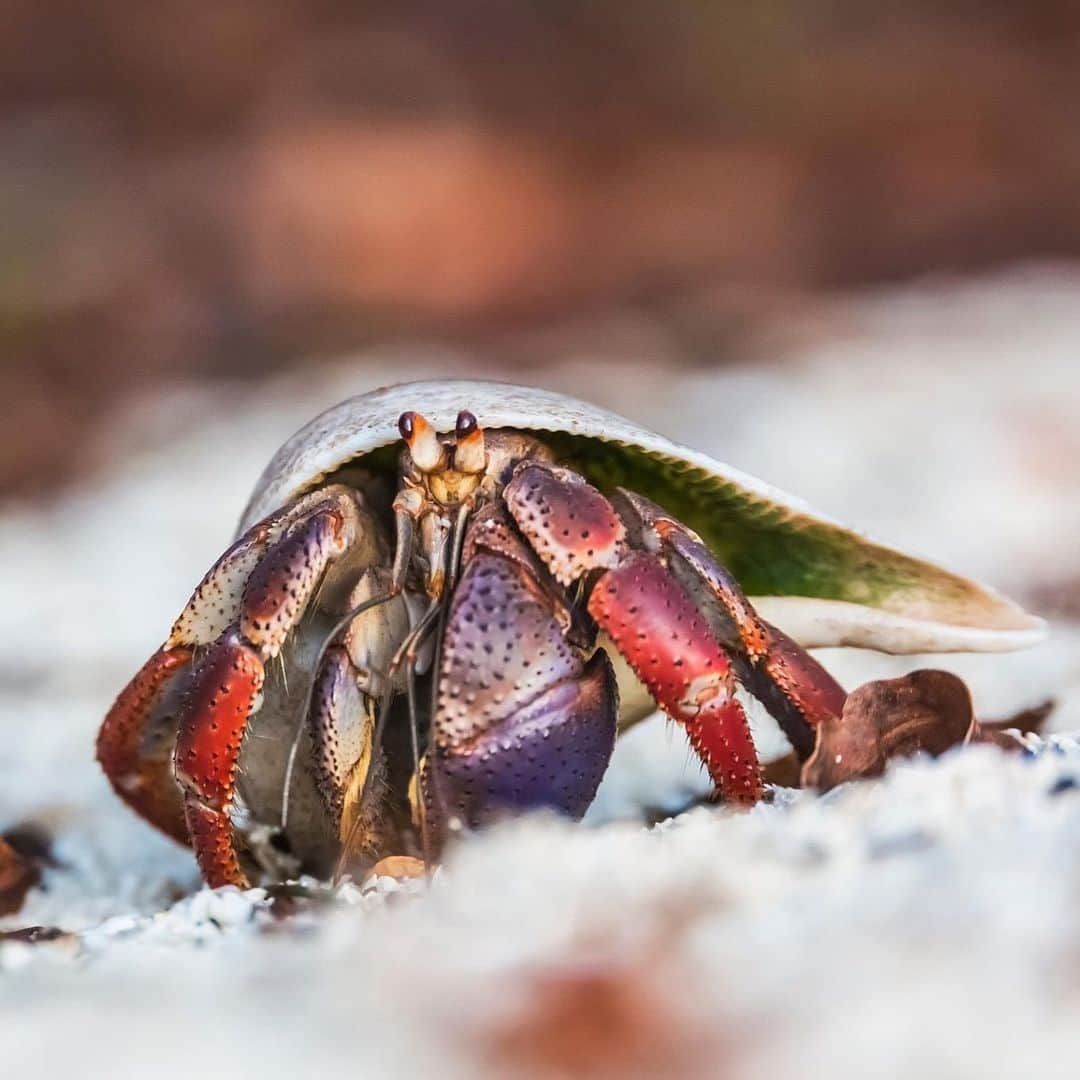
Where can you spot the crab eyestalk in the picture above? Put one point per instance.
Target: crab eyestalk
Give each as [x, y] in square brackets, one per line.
[469, 455]
[427, 452]
[449, 471]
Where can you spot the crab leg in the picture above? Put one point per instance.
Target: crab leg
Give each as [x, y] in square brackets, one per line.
[649, 617]
[795, 688]
[342, 721]
[664, 638]
[227, 682]
[134, 745]
[228, 679]
[356, 827]
[217, 600]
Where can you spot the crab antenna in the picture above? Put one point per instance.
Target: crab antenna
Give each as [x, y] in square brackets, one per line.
[469, 456]
[453, 569]
[427, 452]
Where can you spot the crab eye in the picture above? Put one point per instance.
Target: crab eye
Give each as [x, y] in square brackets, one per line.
[469, 456]
[466, 424]
[406, 424]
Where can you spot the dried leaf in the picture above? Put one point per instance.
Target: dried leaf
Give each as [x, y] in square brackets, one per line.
[18, 876]
[783, 772]
[36, 935]
[1029, 721]
[928, 711]
[992, 735]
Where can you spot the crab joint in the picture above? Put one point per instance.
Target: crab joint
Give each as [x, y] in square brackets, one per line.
[469, 456]
[427, 452]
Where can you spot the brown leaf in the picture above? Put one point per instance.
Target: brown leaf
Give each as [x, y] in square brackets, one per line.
[783, 772]
[36, 935]
[991, 735]
[1029, 721]
[928, 711]
[17, 877]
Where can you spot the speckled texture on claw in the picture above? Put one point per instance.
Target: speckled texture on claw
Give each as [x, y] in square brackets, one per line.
[656, 627]
[570, 525]
[281, 585]
[226, 684]
[521, 720]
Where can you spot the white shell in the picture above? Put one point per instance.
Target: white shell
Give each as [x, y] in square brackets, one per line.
[920, 607]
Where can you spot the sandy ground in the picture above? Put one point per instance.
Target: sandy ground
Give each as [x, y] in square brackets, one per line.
[923, 923]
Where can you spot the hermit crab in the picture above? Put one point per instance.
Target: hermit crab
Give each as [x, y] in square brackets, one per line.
[446, 598]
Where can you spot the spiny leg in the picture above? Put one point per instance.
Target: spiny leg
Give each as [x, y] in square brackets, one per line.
[652, 623]
[648, 616]
[792, 685]
[662, 635]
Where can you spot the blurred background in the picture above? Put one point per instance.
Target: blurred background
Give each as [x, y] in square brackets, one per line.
[232, 189]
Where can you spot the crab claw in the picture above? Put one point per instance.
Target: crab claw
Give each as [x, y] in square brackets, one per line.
[523, 720]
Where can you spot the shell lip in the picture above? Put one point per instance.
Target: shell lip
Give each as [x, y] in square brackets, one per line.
[816, 623]
[518, 407]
